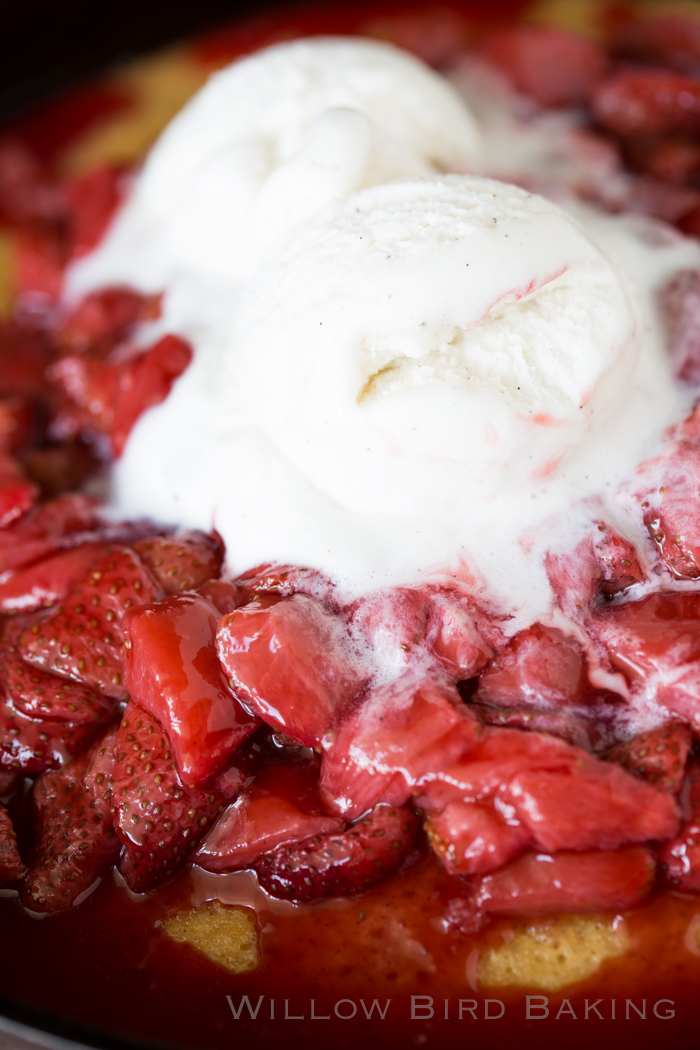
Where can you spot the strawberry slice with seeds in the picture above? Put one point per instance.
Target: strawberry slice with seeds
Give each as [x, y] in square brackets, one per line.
[45, 529]
[183, 562]
[680, 858]
[658, 756]
[30, 745]
[281, 806]
[291, 662]
[539, 666]
[48, 581]
[11, 865]
[158, 819]
[83, 637]
[341, 864]
[171, 668]
[470, 838]
[537, 883]
[17, 494]
[75, 837]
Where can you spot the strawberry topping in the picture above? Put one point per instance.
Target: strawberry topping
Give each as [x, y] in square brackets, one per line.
[48, 581]
[11, 866]
[32, 745]
[46, 529]
[658, 756]
[172, 670]
[183, 562]
[680, 858]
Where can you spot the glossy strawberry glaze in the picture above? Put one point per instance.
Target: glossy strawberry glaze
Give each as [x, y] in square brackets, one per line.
[106, 962]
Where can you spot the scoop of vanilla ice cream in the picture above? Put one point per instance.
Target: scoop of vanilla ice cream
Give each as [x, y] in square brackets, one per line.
[270, 141]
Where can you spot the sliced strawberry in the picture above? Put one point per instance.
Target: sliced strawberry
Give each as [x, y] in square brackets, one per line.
[286, 580]
[93, 199]
[562, 796]
[182, 562]
[58, 468]
[37, 694]
[646, 102]
[223, 595]
[27, 194]
[658, 756]
[461, 637]
[45, 529]
[75, 838]
[617, 560]
[11, 865]
[564, 724]
[680, 858]
[40, 258]
[17, 493]
[541, 667]
[471, 838]
[400, 733]
[551, 65]
[157, 818]
[30, 745]
[48, 581]
[17, 423]
[340, 864]
[9, 779]
[83, 638]
[105, 318]
[172, 670]
[671, 40]
[25, 353]
[537, 883]
[672, 512]
[679, 303]
[291, 662]
[112, 394]
[281, 806]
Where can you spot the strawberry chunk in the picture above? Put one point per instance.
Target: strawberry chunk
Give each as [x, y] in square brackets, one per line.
[648, 102]
[172, 670]
[400, 733]
[11, 866]
[83, 638]
[291, 662]
[281, 806]
[672, 514]
[617, 560]
[17, 494]
[541, 667]
[48, 581]
[286, 580]
[223, 595]
[45, 529]
[75, 838]
[105, 318]
[538, 883]
[40, 258]
[671, 40]
[338, 864]
[37, 694]
[680, 858]
[157, 818]
[658, 756]
[183, 562]
[93, 199]
[30, 745]
[552, 66]
[679, 303]
[470, 838]
[564, 724]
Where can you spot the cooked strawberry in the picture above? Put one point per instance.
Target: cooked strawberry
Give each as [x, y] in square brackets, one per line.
[30, 745]
[93, 199]
[658, 756]
[282, 805]
[99, 771]
[25, 353]
[111, 394]
[671, 40]
[27, 194]
[679, 303]
[83, 637]
[17, 423]
[292, 663]
[48, 581]
[76, 843]
[37, 694]
[9, 779]
[575, 730]
[462, 638]
[158, 819]
[11, 866]
[541, 667]
[562, 796]
[551, 65]
[46, 529]
[617, 560]
[680, 858]
[646, 102]
[573, 576]
[40, 258]
[286, 580]
[340, 864]
[182, 562]
[537, 883]
[104, 318]
[655, 642]
[399, 733]
[17, 493]
[172, 670]
[471, 838]
[223, 595]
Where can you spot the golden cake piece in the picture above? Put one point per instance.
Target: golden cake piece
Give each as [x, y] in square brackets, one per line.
[553, 954]
[227, 936]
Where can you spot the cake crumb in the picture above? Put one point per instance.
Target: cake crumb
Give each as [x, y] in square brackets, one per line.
[227, 936]
[553, 955]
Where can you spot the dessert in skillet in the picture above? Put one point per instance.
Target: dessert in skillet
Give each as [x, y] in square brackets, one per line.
[413, 364]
